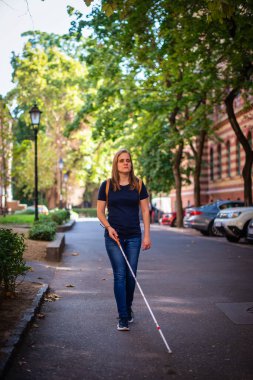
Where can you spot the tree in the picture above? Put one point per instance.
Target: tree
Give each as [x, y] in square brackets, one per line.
[5, 154]
[47, 73]
[217, 34]
[150, 72]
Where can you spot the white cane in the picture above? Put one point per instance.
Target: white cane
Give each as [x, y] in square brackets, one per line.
[149, 308]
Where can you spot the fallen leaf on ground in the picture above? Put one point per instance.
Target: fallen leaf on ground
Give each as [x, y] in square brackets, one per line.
[69, 286]
[22, 362]
[50, 297]
[40, 315]
[75, 254]
[103, 279]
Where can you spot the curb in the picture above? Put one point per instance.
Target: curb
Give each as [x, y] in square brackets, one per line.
[17, 335]
[66, 227]
[183, 230]
[56, 247]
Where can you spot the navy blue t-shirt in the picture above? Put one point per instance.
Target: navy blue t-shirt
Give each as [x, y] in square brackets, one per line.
[123, 209]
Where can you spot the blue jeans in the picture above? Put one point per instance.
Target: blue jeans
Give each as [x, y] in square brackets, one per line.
[124, 283]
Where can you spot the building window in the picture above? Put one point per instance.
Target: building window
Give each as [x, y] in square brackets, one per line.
[228, 159]
[219, 161]
[211, 164]
[238, 158]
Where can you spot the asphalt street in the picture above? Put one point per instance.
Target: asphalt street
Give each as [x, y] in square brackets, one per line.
[186, 278]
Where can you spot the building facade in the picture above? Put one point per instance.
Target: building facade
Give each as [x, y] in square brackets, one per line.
[223, 160]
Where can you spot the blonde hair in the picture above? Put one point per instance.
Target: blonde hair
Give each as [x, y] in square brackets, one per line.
[133, 180]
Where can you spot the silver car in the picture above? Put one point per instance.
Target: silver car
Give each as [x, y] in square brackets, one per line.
[202, 218]
[234, 223]
[250, 232]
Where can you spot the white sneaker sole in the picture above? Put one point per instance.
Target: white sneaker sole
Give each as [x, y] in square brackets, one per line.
[122, 328]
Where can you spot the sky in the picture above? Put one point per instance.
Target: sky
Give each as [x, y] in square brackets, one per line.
[15, 18]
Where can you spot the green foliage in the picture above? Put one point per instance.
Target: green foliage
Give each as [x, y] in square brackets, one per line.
[12, 265]
[59, 216]
[25, 212]
[43, 231]
[49, 71]
[86, 212]
[17, 219]
[5, 147]
[23, 168]
[45, 228]
[164, 65]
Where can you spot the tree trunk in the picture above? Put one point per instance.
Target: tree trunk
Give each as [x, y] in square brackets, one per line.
[178, 183]
[198, 153]
[3, 166]
[176, 166]
[247, 169]
[52, 196]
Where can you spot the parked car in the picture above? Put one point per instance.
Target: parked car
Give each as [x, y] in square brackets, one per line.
[42, 209]
[233, 223]
[169, 219]
[250, 231]
[202, 218]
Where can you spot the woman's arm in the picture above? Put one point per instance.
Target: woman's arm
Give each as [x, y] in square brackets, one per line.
[146, 242]
[101, 216]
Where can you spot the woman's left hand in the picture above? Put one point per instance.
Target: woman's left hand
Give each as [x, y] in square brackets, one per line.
[146, 244]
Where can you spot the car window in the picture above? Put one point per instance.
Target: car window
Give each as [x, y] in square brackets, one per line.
[210, 207]
[224, 206]
[230, 205]
[238, 204]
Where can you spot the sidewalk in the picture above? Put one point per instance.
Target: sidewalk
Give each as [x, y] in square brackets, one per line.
[41, 274]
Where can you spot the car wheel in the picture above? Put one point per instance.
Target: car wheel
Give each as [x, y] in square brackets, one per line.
[232, 239]
[212, 231]
[205, 233]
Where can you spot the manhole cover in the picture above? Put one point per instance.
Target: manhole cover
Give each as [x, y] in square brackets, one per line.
[240, 313]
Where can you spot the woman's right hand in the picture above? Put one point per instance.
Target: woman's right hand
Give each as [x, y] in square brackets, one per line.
[113, 233]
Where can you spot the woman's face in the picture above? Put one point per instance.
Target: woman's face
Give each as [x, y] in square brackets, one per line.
[124, 163]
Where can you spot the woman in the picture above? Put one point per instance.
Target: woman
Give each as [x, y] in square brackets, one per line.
[124, 198]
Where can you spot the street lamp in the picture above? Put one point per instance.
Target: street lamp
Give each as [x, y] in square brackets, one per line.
[35, 119]
[61, 164]
[65, 179]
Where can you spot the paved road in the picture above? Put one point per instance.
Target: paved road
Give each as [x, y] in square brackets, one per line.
[183, 277]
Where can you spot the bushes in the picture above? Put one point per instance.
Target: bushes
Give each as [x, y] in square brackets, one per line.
[59, 216]
[45, 228]
[12, 265]
[43, 231]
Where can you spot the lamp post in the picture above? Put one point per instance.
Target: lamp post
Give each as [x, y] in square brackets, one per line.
[65, 178]
[61, 164]
[35, 120]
